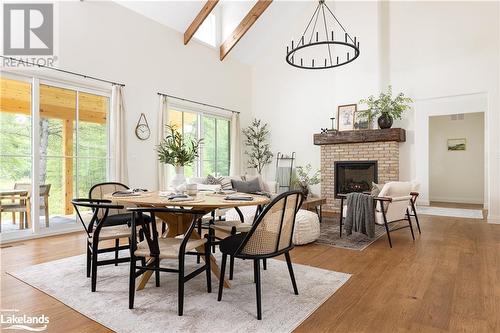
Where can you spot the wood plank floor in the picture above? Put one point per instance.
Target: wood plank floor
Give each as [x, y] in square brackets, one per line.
[448, 280]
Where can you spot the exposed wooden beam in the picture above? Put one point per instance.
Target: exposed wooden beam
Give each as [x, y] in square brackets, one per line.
[243, 27]
[199, 19]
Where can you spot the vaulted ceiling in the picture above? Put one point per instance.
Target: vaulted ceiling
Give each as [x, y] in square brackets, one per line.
[275, 25]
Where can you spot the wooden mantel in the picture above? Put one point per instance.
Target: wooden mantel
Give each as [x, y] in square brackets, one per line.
[375, 135]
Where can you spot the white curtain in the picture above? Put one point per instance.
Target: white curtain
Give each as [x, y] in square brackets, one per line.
[235, 154]
[118, 152]
[162, 122]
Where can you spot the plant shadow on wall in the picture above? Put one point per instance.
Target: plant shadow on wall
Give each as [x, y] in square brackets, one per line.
[385, 107]
[178, 151]
[258, 152]
[303, 179]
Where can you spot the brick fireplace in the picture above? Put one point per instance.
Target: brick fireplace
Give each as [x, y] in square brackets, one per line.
[367, 146]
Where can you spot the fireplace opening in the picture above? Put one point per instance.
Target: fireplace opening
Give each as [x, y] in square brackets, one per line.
[354, 176]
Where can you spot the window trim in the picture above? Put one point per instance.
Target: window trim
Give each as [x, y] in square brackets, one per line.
[182, 106]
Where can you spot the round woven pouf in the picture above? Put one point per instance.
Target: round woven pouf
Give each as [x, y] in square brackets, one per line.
[306, 227]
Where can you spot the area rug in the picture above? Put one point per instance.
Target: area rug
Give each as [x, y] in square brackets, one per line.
[451, 212]
[329, 235]
[156, 308]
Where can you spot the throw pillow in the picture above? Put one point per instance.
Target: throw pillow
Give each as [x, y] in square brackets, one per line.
[262, 183]
[226, 183]
[211, 180]
[246, 187]
[376, 188]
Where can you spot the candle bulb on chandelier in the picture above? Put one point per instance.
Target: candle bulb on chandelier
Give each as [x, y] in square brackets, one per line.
[332, 36]
[325, 62]
[313, 62]
[345, 38]
[347, 56]
[317, 36]
[301, 62]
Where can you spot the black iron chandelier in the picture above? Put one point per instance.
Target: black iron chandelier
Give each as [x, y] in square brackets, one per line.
[328, 38]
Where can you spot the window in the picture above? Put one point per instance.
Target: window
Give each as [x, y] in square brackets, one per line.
[207, 32]
[72, 144]
[214, 153]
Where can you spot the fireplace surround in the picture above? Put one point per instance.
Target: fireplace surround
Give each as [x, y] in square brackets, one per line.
[363, 146]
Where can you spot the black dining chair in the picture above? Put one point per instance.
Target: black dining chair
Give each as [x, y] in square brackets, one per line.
[97, 231]
[269, 236]
[156, 247]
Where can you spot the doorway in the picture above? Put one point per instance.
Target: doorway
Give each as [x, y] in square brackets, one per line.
[457, 161]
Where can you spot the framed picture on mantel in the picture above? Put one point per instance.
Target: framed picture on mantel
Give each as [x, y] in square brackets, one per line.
[345, 117]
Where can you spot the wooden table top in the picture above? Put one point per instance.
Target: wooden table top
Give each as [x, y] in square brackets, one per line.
[200, 201]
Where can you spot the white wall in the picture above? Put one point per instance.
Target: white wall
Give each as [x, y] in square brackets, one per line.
[429, 50]
[456, 176]
[441, 51]
[107, 40]
[296, 102]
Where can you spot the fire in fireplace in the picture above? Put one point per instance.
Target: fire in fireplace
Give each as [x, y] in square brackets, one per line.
[354, 176]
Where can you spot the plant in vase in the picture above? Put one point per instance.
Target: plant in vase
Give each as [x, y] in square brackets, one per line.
[386, 107]
[178, 151]
[304, 179]
[259, 154]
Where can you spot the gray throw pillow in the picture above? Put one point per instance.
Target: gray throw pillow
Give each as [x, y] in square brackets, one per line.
[211, 180]
[246, 187]
[376, 188]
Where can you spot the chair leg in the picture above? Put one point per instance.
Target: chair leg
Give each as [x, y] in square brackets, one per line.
[256, 269]
[180, 288]
[157, 271]
[94, 266]
[199, 233]
[264, 263]
[409, 223]
[416, 216]
[131, 288]
[117, 244]
[163, 227]
[290, 270]
[89, 259]
[46, 213]
[211, 232]
[388, 233]
[207, 267]
[231, 267]
[221, 277]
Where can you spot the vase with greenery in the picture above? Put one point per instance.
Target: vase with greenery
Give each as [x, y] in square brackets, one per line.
[258, 152]
[386, 107]
[178, 151]
[304, 178]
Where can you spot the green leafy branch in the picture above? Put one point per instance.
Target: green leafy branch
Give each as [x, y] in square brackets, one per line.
[177, 150]
[386, 105]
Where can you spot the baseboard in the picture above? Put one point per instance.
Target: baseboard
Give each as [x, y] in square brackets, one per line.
[458, 200]
[493, 219]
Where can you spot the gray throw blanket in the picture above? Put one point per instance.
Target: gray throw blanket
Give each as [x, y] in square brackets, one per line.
[360, 215]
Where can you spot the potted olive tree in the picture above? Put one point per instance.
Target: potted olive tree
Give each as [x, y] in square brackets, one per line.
[259, 152]
[386, 107]
[178, 151]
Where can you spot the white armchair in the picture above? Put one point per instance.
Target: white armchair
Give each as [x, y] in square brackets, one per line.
[391, 205]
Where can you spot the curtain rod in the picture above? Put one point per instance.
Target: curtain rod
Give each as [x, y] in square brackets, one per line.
[64, 71]
[204, 104]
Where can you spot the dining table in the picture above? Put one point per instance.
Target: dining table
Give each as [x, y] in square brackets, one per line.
[178, 223]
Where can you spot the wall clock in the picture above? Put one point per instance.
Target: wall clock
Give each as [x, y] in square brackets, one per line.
[142, 130]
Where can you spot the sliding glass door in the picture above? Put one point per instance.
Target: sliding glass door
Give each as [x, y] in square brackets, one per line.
[72, 138]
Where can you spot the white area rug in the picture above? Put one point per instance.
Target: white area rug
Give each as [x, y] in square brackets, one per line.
[451, 212]
[156, 308]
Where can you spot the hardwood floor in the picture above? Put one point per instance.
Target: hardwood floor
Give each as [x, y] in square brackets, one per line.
[448, 280]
